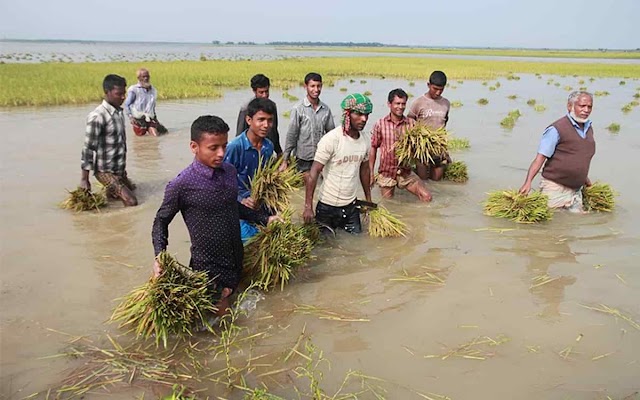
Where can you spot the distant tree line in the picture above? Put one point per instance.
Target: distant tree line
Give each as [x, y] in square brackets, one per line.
[326, 44]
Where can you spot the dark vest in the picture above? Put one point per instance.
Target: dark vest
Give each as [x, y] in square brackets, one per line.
[569, 164]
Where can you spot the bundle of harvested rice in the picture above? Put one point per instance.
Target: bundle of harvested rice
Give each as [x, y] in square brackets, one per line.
[421, 144]
[272, 187]
[272, 256]
[456, 172]
[598, 197]
[84, 200]
[384, 224]
[517, 207]
[172, 304]
[312, 232]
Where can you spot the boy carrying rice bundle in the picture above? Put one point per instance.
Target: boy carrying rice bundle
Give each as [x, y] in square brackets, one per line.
[206, 193]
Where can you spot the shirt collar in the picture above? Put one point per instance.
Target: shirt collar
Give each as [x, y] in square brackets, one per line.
[587, 123]
[307, 103]
[404, 119]
[205, 170]
[246, 144]
[110, 109]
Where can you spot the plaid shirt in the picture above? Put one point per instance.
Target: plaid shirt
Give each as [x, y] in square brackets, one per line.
[384, 135]
[105, 142]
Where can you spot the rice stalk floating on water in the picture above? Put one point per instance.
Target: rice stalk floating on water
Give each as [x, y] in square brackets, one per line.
[171, 304]
[273, 255]
[458, 144]
[272, 187]
[84, 200]
[517, 207]
[598, 197]
[613, 127]
[421, 144]
[456, 172]
[384, 224]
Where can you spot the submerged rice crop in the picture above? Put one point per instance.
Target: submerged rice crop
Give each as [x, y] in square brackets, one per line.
[456, 104]
[613, 127]
[517, 207]
[599, 93]
[540, 107]
[483, 102]
[598, 197]
[458, 144]
[531, 102]
[512, 97]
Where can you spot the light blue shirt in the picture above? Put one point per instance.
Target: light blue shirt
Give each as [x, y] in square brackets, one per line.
[551, 137]
[245, 157]
[140, 100]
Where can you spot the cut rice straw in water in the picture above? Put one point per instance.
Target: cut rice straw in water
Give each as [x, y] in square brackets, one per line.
[174, 303]
[384, 224]
[456, 172]
[598, 197]
[517, 207]
[84, 200]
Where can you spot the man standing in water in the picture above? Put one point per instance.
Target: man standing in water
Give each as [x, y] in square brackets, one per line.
[260, 85]
[140, 106]
[310, 120]
[105, 144]
[342, 158]
[386, 132]
[565, 150]
[206, 194]
[433, 110]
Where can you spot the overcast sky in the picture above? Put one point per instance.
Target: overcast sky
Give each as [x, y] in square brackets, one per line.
[493, 23]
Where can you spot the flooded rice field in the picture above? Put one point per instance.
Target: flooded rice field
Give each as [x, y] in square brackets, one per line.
[508, 316]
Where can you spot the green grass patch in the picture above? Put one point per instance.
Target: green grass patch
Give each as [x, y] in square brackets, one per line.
[367, 93]
[512, 97]
[531, 102]
[455, 143]
[539, 107]
[456, 104]
[483, 101]
[600, 93]
[622, 83]
[343, 89]
[80, 83]
[412, 83]
[627, 108]
[286, 114]
[510, 120]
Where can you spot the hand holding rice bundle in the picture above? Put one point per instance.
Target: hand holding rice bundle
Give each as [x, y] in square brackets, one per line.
[421, 144]
[518, 207]
[598, 197]
[84, 200]
[171, 304]
[272, 187]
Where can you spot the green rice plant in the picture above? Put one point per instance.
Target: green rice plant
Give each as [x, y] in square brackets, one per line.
[531, 102]
[613, 127]
[581, 82]
[178, 392]
[352, 81]
[600, 93]
[512, 97]
[275, 253]
[456, 104]
[421, 144]
[508, 122]
[513, 77]
[492, 88]
[636, 95]
[174, 303]
[286, 114]
[485, 83]
[517, 207]
[367, 93]
[363, 81]
[497, 85]
[582, 88]
[460, 82]
[454, 144]
[272, 187]
[289, 96]
[343, 89]
[540, 107]
[454, 87]
[627, 108]
[568, 88]
[557, 84]
[85, 200]
[483, 101]
[634, 103]
[412, 83]
[384, 224]
[598, 197]
[515, 114]
[409, 94]
[456, 172]
[622, 83]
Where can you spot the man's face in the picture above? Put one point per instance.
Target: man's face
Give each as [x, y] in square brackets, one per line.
[397, 106]
[262, 92]
[115, 96]
[435, 91]
[144, 79]
[581, 109]
[313, 88]
[260, 124]
[358, 121]
[210, 149]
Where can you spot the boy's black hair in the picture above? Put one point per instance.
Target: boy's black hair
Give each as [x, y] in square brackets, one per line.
[259, 104]
[399, 93]
[209, 124]
[110, 81]
[259, 81]
[312, 76]
[438, 78]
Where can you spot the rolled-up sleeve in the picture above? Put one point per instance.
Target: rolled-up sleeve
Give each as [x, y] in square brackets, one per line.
[549, 141]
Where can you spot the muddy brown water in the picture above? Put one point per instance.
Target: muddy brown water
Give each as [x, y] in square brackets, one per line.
[61, 271]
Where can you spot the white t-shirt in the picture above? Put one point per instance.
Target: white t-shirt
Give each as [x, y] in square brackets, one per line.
[341, 156]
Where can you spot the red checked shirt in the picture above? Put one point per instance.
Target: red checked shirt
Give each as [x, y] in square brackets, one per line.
[384, 135]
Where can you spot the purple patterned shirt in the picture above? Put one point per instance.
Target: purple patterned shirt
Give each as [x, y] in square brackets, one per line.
[207, 199]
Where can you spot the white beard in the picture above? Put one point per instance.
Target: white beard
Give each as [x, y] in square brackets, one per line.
[145, 85]
[576, 118]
